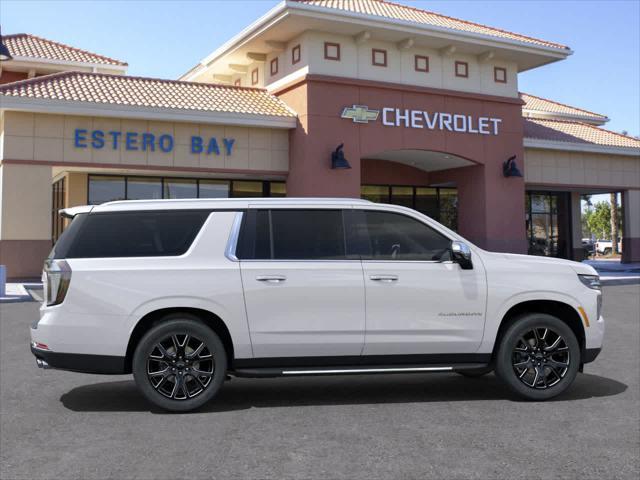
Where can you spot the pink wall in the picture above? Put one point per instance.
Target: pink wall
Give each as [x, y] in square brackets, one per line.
[491, 207]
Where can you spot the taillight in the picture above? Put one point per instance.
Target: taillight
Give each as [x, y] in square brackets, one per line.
[56, 278]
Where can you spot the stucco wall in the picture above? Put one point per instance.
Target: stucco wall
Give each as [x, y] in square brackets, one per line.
[50, 138]
[554, 167]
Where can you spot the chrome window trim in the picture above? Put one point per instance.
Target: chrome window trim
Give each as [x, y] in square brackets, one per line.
[232, 243]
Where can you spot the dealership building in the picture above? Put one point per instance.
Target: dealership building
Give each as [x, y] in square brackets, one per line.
[425, 110]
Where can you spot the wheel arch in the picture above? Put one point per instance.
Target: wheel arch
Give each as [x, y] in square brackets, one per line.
[155, 317]
[563, 311]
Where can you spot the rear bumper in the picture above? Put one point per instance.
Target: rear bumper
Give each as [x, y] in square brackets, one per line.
[590, 354]
[78, 362]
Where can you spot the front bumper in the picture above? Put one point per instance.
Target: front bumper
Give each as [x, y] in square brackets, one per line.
[590, 354]
[79, 362]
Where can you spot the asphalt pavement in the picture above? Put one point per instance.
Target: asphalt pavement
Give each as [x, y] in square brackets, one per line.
[63, 425]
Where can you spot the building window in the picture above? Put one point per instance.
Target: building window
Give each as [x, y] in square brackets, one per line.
[273, 67]
[462, 69]
[500, 74]
[107, 188]
[58, 203]
[378, 57]
[295, 54]
[421, 63]
[180, 188]
[254, 76]
[331, 51]
[238, 82]
[441, 204]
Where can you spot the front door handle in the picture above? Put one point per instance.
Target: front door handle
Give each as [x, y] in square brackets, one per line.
[384, 278]
[271, 278]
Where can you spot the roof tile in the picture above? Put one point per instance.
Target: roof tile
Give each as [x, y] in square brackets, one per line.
[31, 46]
[148, 92]
[395, 11]
[539, 104]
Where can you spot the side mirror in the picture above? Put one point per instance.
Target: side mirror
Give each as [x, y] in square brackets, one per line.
[461, 254]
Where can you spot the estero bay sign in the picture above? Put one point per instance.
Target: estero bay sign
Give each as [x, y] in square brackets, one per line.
[136, 141]
[403, 117]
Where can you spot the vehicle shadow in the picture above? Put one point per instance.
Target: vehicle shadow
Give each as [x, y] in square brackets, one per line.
[240, 394]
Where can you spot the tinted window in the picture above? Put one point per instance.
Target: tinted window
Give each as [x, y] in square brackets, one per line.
[105, 189]
[392, 236]
[130, 234]
[292, 235]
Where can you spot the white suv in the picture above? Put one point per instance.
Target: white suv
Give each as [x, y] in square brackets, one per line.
[184, 293]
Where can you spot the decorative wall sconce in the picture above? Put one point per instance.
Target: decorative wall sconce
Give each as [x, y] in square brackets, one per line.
[338, 162]
[510, 169]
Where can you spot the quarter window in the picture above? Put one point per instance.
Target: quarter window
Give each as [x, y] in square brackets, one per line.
[392, 236]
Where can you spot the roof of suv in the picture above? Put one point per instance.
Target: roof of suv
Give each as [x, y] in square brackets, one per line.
[208, 203]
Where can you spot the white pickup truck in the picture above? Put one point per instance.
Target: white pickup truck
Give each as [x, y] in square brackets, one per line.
[605, 247]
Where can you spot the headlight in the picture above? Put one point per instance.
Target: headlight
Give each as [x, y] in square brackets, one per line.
[56, 278]
[591, 281]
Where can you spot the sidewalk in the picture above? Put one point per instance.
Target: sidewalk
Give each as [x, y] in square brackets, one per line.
[22, 292]
[612, 271]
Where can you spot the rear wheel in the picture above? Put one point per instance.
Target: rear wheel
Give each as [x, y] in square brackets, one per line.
[538, 356]
[179, 364]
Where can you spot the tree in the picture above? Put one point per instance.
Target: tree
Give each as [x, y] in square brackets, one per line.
[614, 222]
[598, 220]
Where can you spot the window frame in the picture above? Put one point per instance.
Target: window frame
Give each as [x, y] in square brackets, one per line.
[375, 51]
[416, 59]
[326, 51]
[273, 66]
[495, 74]
[255, 76]
[296, 54]
[465, 65]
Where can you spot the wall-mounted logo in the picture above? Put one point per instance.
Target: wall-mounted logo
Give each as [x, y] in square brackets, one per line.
[404, 117]
[360, 114]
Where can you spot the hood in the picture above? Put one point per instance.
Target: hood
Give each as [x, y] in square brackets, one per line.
[533, 261]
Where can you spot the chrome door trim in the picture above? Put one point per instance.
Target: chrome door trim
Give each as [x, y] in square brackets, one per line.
[232, 243]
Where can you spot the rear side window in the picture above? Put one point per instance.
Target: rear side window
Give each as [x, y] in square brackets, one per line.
[131, 234]
[292, 235]
[393, 236]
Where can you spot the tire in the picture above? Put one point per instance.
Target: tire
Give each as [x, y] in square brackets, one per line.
[475, 372]
[607, 251]
[167, 357]
[530, 362]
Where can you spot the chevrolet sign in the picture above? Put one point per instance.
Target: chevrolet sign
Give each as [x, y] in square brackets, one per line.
[360, 114]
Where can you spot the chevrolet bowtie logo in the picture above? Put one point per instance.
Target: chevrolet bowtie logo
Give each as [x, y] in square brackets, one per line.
[360, 114]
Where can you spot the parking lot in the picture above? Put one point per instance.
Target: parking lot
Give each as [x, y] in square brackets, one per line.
[58, 424]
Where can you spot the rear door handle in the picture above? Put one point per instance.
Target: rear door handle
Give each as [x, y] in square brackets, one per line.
[271, 278]
[384, 278]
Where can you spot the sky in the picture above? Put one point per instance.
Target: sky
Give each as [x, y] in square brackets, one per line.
[166, 38]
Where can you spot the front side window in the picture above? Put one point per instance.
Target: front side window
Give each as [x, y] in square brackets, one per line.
[292, 235]
[393, 236]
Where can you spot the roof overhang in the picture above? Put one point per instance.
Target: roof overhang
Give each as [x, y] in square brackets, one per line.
[581, 147]
[288, 20]
[18, 63]
[67, 107]
[528, 113]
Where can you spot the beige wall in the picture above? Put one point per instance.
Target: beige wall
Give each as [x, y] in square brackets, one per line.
[25, 200]
[581, 169]
[355, 62]
[632, 213]
[50, 138]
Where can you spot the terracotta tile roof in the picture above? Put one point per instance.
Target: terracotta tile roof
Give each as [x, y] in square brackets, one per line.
[395, 11]
[148, 92]
[575, 132]
[545, 105]
[27, 45]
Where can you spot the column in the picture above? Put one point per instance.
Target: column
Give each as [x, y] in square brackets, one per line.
[631, 239]
[25, 218]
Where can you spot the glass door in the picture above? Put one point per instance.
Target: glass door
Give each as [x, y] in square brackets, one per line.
[548, 228]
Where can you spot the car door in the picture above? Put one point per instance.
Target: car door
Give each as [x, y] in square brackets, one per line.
[418, 301]
[304, 297]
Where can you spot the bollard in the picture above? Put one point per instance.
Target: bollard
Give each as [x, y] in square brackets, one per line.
[3, 281]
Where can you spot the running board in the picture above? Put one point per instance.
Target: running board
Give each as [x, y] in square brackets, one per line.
[354, 370]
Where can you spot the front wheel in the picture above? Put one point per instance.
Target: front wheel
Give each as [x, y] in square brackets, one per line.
[538, 356]
[179, 364]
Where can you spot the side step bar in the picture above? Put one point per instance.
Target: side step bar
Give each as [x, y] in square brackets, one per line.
[268, 372]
